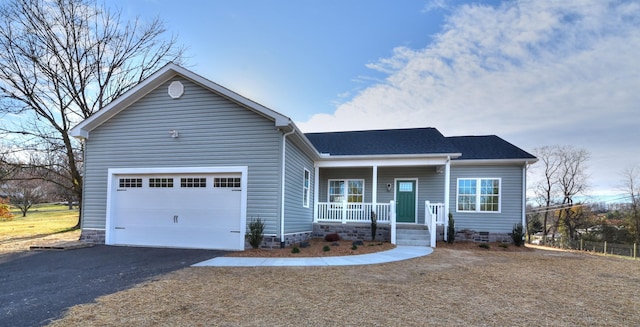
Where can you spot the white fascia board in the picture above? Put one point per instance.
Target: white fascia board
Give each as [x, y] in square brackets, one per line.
[382, 162]
[489, 162]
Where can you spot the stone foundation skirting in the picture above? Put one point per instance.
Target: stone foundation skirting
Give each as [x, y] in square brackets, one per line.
[467, 235]
[352, 231]
[273, 242]
[96, 236]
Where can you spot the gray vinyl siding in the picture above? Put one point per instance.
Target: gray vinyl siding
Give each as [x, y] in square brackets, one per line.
[510, 200]
[297, 217]
[430, 183]
[213, 131]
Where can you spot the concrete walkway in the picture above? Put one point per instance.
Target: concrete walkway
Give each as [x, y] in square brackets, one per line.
[397, 254]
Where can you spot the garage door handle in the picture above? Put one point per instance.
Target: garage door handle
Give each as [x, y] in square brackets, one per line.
[175, 219]
[235, 231]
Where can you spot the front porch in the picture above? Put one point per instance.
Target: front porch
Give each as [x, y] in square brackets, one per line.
[352, 221]
[400, 194]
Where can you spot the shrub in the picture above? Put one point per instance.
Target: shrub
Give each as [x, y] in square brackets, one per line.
[326, 248]
[504, 245]
[5, 214]
[354, 247]
[332, 237]
[255, 234]
[295, 249]
[517, 234]
[451, 230]
[374, 225]
[485, 246]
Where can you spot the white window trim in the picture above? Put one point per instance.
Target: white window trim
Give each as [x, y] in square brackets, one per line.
[306, 185]
[346, 183]
[478, 195]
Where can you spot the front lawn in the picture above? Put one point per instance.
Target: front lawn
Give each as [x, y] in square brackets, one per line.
[42, 219]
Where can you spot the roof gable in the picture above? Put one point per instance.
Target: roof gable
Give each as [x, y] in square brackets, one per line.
[157, 79]
[414, 141]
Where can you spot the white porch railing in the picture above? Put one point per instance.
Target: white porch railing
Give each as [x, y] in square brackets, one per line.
[434, 214]
[347, 212]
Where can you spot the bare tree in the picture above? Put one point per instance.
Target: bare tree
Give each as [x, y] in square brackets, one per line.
[61, 61]
[572, 181]
[23, 194]
[563, 178]
[631, 184]
[545, 189]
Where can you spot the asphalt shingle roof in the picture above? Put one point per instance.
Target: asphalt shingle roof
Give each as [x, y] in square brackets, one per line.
[382, 142]
[414, 141]
[487, 147]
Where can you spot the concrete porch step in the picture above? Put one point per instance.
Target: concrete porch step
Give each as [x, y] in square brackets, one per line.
[413, 235]
[413, 242]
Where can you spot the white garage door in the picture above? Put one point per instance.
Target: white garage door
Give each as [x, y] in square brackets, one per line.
[177, 210]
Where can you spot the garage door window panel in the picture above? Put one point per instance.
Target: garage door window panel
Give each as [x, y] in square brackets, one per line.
[193, 182]
[160, 182]
[226, 182]
[130, 182]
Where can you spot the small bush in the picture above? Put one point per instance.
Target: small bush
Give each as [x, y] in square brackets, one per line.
[326, 248]
[358, 242]
[332, 237]
[485, 246]
[255, 234]
[374, 225]
[354, 247]
[295, 249]
[451, 230]
[5, 214]
[504, 245]
[517, 234]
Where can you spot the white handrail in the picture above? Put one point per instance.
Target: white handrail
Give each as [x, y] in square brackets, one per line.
[346, 212]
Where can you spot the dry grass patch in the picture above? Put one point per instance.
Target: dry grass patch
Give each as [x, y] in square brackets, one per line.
[453, 287]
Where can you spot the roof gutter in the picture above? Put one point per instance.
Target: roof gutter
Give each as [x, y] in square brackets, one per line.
[282, 183]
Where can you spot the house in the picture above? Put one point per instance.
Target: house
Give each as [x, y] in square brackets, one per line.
[180, 161]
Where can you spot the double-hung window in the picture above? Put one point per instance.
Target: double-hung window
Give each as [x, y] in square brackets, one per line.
[306, 182]
[351, 190]
[478, 194]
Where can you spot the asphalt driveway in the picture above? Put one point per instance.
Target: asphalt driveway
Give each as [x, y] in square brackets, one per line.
[36, 287]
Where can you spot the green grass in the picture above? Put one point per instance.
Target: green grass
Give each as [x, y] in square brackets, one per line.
[41, 219]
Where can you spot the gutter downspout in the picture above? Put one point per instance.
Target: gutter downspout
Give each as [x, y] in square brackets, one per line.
[282, 182]
[524, 197]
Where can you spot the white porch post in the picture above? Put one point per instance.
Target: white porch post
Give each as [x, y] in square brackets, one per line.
[447, 186]
[344, 211]
[374, 186]
[392, 221]
[316, 195]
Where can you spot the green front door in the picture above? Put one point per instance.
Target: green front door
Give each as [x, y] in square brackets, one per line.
[406, 201]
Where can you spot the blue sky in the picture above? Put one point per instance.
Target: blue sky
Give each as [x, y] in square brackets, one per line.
[533, 72]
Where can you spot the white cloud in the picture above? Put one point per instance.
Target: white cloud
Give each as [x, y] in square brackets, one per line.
[534, 72]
